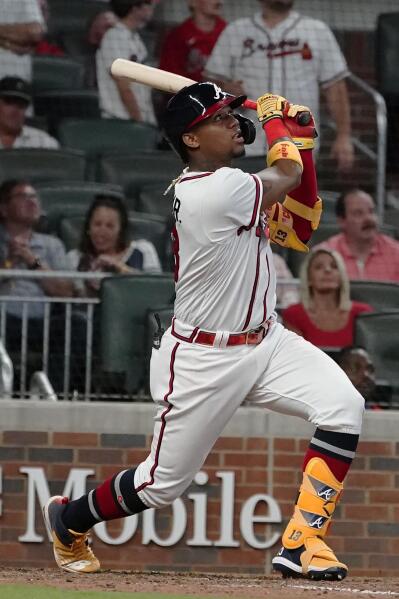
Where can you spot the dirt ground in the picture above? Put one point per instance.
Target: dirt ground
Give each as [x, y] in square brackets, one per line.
[198, 585]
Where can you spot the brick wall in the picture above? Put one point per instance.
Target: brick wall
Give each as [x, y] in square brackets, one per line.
[365, 532]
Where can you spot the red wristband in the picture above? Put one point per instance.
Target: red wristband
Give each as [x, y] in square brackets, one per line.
[275, 129]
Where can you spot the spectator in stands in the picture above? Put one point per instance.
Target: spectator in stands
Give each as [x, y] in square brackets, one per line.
[188, 46]
[326, 314]
[21, 247]
[359, 367]
[280, 50]
[287, 294]
[15, 98]
[21, 28]
[120, 98]
[367, 253]
[46, 46]
[105, 247]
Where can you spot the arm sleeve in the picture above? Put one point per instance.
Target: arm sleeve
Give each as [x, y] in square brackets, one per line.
[220, 62]
[151, 262]
[30, 12]
[232, 204]
[332, 66]
[56, 256]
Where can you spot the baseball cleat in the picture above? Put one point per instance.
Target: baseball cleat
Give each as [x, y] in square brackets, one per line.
[323, 564]
[71, 549]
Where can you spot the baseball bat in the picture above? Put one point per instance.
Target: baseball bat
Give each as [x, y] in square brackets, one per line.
[169, 82]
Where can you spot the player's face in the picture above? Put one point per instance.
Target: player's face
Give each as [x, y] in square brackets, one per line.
[209, 8]
[104, 230]
[23, 206]
[323, 274]
[360, 222]
[12, 114]
[219, 137]
[360, 371]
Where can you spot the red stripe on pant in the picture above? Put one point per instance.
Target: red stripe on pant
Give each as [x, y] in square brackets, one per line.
[109, 509]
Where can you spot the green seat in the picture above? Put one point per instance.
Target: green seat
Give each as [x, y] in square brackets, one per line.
[137, 170]
[56, 73]
[165, 314]
[70, 198]
[383, 297]
[61, 104]
[378, 334]
[103, 136]
[36, 164]
[152, 201]
[141, 226]
[125, 302]
[73, 15]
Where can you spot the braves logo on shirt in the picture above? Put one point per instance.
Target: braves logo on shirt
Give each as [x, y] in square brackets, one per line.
[283, 48]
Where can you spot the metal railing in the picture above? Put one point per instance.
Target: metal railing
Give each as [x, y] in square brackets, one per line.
[41, 385]
[377, 156]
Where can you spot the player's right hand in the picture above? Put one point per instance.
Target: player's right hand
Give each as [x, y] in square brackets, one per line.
[270, 106]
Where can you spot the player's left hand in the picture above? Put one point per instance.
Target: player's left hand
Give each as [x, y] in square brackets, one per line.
[302, 135]
[343, 152]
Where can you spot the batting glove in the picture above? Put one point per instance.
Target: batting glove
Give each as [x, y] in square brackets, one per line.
[300, 123]
[270, 106]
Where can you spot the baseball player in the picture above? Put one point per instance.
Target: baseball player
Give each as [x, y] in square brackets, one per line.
[280, 49]
[224, 344]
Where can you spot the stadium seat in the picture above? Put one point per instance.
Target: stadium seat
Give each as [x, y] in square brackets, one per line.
[383, 297]
[103, 136]
[35, 164]
[60, 104]
[137, 170]
[165, 314]
[70, 198]
[329, 200]
[141, 226]
[72, 15]
[56, 73]
[152, 201]
[125, 302]
[377, 333]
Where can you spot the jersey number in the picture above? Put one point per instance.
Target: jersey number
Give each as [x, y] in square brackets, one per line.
[175, 249]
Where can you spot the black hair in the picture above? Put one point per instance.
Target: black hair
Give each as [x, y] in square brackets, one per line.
[345, 354]
[340, 208]
[122, 7]
[8, 186]
[105, 201]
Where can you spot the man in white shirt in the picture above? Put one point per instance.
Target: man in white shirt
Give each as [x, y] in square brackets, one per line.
[287, 53]
[21, 27]
[120, 98]
[15, 98]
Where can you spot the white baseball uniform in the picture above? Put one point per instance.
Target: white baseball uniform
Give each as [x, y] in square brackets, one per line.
[121, 42]
[291, 59]
[17, 12]
[225, 285]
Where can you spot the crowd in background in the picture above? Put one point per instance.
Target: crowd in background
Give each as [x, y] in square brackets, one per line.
[276, 49]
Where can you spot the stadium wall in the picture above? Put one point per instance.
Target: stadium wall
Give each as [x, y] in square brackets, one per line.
[229, 520]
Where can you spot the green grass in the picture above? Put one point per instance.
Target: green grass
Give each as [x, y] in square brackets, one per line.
[33, 592]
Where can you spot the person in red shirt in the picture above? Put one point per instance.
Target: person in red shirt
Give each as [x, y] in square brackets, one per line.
[367, 253]
[188, 46]
[326, 314]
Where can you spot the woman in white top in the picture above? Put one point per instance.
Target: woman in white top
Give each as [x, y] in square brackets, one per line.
[104, 245]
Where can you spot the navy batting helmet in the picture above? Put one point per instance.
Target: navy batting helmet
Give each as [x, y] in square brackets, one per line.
[194, 104]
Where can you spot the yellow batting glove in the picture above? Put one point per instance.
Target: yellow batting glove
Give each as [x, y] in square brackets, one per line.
[270, 106]
[295, 109]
